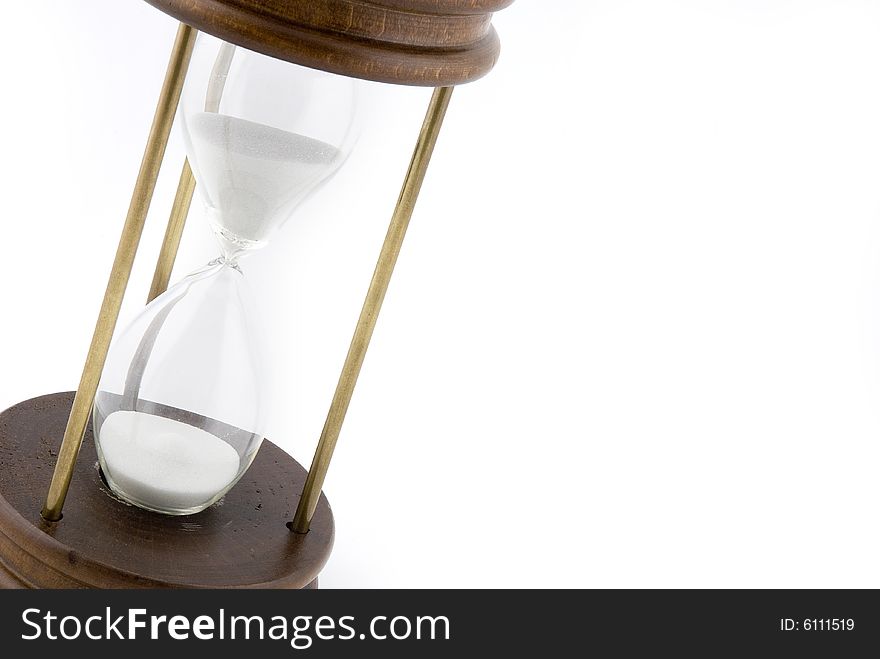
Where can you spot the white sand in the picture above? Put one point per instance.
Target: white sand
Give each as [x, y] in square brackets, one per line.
[164, 464]
[251, 171]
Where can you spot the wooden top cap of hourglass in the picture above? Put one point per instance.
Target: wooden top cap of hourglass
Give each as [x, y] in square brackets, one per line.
[410, 42]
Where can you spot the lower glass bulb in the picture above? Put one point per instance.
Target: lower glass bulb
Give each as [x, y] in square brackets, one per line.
[179, 412]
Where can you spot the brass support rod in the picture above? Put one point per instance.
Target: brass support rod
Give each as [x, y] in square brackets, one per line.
[372, 305]
[119, 275]
[173, 232]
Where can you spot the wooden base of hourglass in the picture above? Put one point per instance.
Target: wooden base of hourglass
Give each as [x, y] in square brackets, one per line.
[241, 542]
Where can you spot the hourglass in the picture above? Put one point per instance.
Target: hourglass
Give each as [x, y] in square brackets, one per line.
[179, 412]
[163, 466]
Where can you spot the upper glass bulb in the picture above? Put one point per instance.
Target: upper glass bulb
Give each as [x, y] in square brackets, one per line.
[261, 134]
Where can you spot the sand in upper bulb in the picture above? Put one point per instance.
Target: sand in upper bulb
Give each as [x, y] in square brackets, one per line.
[163, 464]
[250, 171]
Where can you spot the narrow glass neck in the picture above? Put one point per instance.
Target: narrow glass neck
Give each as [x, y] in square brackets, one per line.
[228, 262]
[232, 246]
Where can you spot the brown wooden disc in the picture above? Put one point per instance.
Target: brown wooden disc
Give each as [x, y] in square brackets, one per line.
[240, 542]
[410, 42]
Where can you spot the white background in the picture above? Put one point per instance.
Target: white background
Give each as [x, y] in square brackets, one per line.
[634, 335]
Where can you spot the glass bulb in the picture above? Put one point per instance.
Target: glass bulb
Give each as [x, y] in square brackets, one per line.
[180, 410]
[261, 135]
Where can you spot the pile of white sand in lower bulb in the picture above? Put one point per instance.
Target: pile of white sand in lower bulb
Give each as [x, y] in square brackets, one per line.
[164, 464]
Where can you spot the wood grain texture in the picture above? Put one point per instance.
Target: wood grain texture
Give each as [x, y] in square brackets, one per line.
[447, 6]
[240, 542]
[416, 42]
